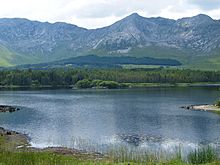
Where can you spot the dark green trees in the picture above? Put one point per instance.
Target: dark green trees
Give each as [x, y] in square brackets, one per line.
[106, 78]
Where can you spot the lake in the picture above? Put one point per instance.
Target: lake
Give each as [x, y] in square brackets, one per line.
[95, 119]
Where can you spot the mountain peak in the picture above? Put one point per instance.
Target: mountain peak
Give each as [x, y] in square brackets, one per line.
[128, 21]
[52, 41]
[202, 17]
[133, 16]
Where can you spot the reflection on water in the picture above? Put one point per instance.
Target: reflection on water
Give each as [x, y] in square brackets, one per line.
[149, 118]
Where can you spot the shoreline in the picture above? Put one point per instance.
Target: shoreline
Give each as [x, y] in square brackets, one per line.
[203, 107]
[15, 141]
[128, 86]
[6, 108]
[12, 140]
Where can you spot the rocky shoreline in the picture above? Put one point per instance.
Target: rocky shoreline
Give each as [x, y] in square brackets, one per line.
[15, 141]
[203, 107]
[12, 141]
[6, 108]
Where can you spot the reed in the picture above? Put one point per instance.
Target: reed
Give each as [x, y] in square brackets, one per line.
[202, 156]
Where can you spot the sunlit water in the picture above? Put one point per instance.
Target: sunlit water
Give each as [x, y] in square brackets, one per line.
[96, 119]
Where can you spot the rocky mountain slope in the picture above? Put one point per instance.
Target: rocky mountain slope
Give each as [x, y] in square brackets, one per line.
[194, 39]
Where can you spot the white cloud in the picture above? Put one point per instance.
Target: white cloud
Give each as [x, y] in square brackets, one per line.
[206, 4]
[98, 13]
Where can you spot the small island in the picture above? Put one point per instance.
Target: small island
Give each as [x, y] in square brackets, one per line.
[205, 107]
[6, 108]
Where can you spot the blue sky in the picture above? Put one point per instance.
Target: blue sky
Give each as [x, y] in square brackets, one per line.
[99, 13]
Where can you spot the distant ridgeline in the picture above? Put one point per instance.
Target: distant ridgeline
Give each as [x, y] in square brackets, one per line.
[105, 62]
[194, 41]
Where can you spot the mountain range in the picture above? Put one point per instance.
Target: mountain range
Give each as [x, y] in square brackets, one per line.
[193, 41]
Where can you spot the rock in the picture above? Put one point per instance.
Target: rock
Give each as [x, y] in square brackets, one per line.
[187, 107]
[6, 108]
[203, 107]
[136, 139]
[8, 133]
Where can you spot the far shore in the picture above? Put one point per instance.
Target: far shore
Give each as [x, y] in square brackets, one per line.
[125, 86]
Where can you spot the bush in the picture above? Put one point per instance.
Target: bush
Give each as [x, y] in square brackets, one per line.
[109, 84]
[84, 83]
[95, 83]
[218, 103]
[202, 156]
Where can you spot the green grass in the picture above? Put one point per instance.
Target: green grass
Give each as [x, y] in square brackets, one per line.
[46, 158]
[132, 66]
[9, 58]
[217, 112]
[145, 85]
[115, 156]
[204, 63]
[162, 52]
[5, 56]
[202, 156]
[189, 59]
[31, 158]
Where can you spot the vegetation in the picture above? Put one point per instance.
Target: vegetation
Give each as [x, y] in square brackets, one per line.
[49, 158]
[5, 57]
[217, 112]
[31, 158]
[218, 103]
[106, 62]
[108, 78]
[98, 84]
[11, 155]
[187, 59]
[202, 156]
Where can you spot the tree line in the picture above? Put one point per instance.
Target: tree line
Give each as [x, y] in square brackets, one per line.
[66, 77]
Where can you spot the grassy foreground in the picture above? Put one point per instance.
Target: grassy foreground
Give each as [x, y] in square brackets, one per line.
[10, 155]
[46, 158]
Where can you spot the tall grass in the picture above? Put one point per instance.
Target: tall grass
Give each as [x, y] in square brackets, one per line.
[44, 158]
[119, 152]
[123, 158]
[31, 158]
[202, 156]
[115, 154]
[124, 153]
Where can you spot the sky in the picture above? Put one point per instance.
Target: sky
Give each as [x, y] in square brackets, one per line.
[99, 13]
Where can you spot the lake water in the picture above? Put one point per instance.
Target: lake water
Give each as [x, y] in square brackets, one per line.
[86, 119]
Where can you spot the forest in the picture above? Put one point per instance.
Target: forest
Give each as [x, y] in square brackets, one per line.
[87, 78]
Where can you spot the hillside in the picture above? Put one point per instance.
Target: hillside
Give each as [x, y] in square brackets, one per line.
[193, 41]
[93, 61]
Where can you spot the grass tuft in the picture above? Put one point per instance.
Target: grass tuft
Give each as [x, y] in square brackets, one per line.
[202, 156]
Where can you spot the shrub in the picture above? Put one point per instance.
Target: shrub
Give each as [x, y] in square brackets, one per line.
[109, 84]
[218, 103]
[95, 83]
[84, 84]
